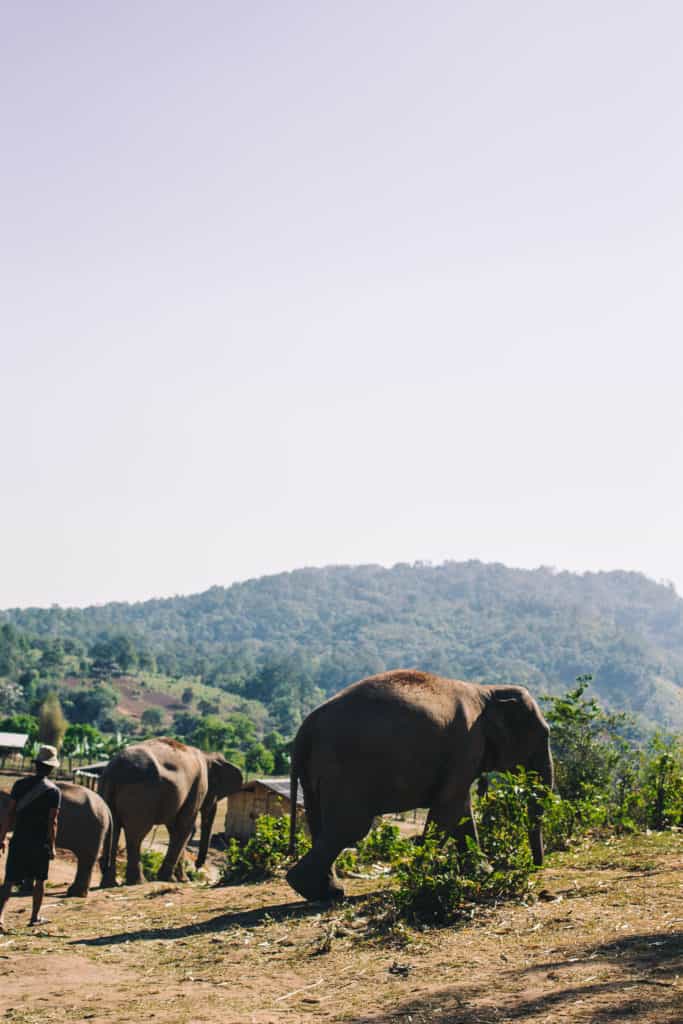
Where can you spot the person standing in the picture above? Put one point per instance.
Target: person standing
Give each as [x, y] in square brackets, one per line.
[34, 812]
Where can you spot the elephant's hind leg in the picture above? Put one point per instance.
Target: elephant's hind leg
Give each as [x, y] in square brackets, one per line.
[134, 874]
[314, 877]
[179, 834]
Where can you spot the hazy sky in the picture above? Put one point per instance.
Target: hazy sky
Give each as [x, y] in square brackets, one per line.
[291, 284]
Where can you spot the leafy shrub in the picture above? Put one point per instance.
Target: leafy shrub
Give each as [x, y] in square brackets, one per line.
[663, 783]
[437, 884]
[560, 820]
[150, 862]
[504, 819]
[263, 854]
[383, 844]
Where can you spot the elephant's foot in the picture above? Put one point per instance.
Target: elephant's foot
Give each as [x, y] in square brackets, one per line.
[312, 888]
[134, 879]
[108, 881]
[78, 891]
[171, 875]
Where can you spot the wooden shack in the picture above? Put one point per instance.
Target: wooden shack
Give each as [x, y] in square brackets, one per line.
[12, 746]
[260, 796]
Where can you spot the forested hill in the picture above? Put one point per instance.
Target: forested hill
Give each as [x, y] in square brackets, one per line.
[470, 620]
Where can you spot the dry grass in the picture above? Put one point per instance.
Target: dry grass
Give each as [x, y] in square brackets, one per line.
[604, 942]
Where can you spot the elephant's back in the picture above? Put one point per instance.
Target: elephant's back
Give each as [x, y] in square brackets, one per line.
[166, 771]
[84, 801]
[402, 691]
[135, 764]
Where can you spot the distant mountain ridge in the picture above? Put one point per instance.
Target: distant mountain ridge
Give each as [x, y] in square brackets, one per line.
[473, 620]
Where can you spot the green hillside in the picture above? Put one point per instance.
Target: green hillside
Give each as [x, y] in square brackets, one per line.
[288, 640]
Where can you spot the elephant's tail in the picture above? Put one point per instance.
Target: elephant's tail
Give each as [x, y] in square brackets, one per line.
[293, 793]
[107, 848]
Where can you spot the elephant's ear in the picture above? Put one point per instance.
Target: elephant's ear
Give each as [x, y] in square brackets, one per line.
[505, 723]
[224, 778]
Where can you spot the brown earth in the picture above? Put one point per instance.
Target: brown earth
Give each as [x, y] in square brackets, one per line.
[602, 943]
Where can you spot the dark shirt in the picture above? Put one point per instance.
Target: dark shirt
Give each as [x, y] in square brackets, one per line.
[32, 822]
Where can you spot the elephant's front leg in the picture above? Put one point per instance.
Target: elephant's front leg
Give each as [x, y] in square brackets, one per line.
[179, 834]
[452, 814]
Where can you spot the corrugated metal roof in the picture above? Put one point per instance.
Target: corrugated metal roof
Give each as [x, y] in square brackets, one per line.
[15, 740]
[91, 769]
[281, 787]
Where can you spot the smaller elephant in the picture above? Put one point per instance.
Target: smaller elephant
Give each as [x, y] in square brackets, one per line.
[84, 828]
[164, 782]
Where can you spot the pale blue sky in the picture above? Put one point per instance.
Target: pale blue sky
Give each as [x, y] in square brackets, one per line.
[291, 284]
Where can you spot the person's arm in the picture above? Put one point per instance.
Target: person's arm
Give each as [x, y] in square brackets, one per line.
[52, 823]
[7, 821]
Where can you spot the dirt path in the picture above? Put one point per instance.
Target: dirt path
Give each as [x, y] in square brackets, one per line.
[604, 943]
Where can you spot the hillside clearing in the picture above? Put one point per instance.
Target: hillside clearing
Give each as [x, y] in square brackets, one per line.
[603, 943]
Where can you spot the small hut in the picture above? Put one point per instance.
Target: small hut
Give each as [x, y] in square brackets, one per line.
[260, 796]
[12, 743]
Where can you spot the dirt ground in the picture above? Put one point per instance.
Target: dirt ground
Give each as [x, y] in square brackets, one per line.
[602, 942]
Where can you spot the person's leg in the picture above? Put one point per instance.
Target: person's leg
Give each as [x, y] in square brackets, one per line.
[38, 894]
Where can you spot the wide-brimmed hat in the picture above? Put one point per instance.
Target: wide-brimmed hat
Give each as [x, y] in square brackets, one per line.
[47, 755]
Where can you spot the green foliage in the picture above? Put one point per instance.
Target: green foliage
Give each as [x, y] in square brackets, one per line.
[584, 741]
[84, 741]
[265, 853]
[605, 776]
[504, 820]
[259, 759]
[150, 862]
[152, 718]
[438, 885]
[11, 696]
[383, 844]
[22, 723]
[663, 783]
[89, 705]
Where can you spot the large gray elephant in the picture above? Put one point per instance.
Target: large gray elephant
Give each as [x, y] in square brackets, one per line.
[84, 827]
[164, 782]
[401, 740]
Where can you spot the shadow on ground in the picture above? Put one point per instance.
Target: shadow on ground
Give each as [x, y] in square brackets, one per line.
[648, 963]
[240, 919]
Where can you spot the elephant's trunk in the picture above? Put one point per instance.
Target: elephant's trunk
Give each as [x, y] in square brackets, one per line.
[542, 764]
[208, 816]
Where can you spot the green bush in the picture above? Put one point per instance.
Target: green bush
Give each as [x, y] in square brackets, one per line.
[263, 854]
[662, 776]
[383, 844]
[150, 862]
[437, 884]
[504, 819]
